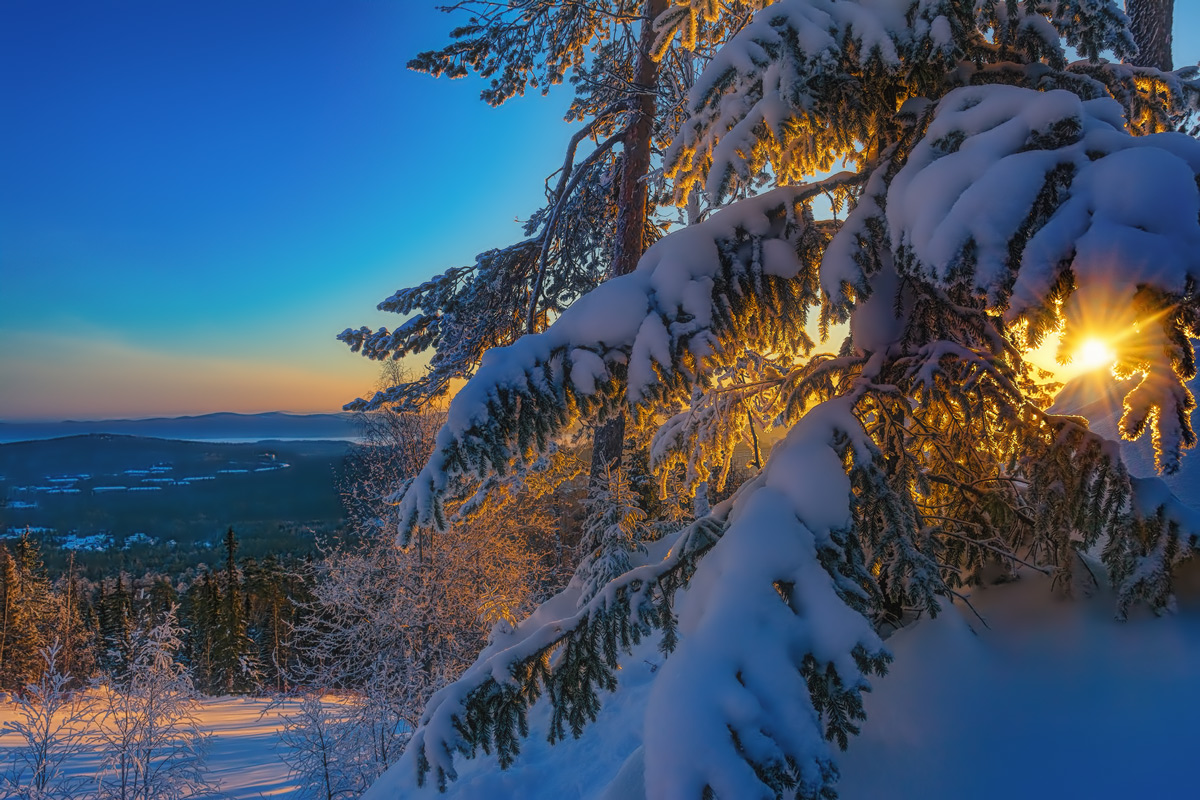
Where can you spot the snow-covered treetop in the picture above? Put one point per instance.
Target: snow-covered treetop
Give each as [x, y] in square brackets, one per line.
[812, 82]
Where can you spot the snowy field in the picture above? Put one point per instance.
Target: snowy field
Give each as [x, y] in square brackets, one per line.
[244, 757]
[1054, 699]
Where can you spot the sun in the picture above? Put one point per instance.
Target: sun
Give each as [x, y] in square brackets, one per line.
[1095, 354]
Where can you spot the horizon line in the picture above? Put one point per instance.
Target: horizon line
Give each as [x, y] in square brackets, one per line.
[161, 416]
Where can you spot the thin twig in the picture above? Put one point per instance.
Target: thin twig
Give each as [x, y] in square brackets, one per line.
[967, 602]
[1001, 552]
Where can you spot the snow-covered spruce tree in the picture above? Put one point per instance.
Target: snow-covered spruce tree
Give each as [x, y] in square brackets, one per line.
[235, 668]
[605, 206]
[25, 613]
[996, 193]
[116, 623]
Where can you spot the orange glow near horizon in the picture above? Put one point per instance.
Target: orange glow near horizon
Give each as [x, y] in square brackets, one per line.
[82, 380]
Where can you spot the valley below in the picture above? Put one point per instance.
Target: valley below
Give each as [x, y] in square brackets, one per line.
[133, 503]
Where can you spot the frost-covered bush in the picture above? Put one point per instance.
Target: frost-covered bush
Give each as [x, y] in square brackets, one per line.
[148, 734]
[53, 725]
[386, 627]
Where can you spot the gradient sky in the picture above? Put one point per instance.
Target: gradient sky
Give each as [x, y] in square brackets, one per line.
[196, 196]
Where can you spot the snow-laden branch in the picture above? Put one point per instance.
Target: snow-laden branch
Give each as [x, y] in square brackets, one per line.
[1028, 201]
[781, 579]
[745, 276]
[809, 82]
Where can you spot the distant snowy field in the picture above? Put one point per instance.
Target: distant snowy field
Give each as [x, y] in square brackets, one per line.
[1054, 699]
[244, 760]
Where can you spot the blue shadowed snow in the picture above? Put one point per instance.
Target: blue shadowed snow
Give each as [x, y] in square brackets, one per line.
[1056, 699]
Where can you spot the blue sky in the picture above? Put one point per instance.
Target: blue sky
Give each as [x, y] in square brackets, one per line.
[197, 195]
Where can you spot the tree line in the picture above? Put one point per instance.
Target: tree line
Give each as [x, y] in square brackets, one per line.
[236, 619]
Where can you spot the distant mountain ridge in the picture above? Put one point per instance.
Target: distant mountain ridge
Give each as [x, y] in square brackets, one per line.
[205, 427]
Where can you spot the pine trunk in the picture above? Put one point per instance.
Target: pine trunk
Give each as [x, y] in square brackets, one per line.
[631, 208]
[1151, 22]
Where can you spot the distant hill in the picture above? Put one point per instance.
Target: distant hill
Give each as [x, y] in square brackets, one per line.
[136, 503]
[1098, 397]
[207, 427]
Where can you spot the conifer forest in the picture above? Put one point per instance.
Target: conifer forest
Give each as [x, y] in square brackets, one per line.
[683, 493]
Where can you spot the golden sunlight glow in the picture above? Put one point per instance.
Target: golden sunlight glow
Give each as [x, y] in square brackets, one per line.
[1094, 354]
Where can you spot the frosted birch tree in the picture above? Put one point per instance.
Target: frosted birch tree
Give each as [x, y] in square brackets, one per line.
[53, 725]
[149, 735]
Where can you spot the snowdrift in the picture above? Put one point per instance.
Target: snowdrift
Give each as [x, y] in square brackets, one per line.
[1051, 698]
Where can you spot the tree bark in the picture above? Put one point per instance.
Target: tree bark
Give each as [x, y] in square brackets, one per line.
[1151, 22]
[631, 208]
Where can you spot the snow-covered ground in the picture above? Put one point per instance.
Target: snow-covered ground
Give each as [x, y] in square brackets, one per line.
[1054, 698]
[244, 760]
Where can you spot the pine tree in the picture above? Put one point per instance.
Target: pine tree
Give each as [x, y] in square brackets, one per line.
[235, 668]
[273, 602]
[78, 649]
[991, 195]
[599, 216]
[516, 289]
[25, 605]
[116, 625]
[200, 612]
[630, 83]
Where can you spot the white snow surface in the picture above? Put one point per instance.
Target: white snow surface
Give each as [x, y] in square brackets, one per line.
[1053, 698]
[244, 759]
